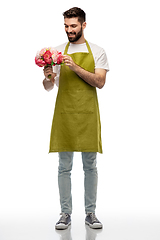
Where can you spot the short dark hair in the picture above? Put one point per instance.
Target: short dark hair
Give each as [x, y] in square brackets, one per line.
[75, 12]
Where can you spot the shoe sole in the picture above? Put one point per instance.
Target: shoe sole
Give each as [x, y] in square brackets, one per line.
[95, 226]
[62, 227]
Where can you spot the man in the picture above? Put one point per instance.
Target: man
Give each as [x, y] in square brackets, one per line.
[76, 123]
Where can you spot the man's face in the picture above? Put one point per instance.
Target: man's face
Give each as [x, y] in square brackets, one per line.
[73, 28]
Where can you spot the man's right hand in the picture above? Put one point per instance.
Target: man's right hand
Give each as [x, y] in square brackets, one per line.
[49, 71]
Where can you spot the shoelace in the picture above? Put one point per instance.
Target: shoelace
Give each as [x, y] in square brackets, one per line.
[63, 218]
[93, 217]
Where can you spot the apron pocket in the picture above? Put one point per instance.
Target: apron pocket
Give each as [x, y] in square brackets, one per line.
[77, 102]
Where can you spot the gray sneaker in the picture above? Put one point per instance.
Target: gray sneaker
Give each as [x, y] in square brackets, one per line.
[63, 222]
[92, 221]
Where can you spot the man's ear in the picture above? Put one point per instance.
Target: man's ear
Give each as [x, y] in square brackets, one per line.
[84, 25]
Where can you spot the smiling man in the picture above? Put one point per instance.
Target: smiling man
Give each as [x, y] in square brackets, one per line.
[76, 123]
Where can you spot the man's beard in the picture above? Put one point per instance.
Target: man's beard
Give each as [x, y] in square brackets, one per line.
[76, 37]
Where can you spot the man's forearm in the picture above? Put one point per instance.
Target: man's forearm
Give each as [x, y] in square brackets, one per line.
[93, 79]
[96, 79]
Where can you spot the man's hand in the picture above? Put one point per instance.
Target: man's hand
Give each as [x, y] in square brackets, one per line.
[69, 62]
[49, 71]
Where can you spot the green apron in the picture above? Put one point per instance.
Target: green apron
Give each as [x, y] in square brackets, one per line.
[76, 123]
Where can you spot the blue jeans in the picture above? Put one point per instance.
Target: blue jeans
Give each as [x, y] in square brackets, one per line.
[90, 180]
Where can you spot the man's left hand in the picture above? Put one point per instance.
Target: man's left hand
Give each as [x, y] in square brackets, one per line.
[69, 62]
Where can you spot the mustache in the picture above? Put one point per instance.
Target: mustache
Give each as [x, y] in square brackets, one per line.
[70, 33]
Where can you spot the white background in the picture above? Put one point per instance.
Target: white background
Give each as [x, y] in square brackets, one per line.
[129, 105]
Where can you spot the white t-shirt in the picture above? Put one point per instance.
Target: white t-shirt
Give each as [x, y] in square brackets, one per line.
[99, 55]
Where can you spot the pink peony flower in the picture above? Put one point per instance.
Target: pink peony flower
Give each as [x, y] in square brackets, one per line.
[38, 55]
[52, 50]
[55, 57]
[40, 62]
[60, 58]
[47, 57]
[42, 51]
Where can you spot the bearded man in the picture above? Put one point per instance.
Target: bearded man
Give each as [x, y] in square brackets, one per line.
[76, 125]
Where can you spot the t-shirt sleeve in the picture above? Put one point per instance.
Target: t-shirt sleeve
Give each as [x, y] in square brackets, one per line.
[101, 60]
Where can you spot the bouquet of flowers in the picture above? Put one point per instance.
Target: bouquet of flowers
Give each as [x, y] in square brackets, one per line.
[48, 56]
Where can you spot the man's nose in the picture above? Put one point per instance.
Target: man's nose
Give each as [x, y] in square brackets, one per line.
[69, 29]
